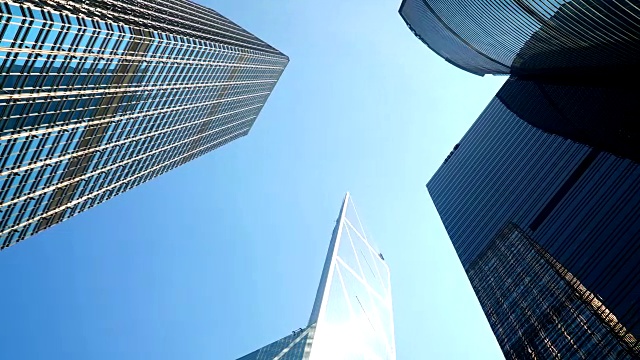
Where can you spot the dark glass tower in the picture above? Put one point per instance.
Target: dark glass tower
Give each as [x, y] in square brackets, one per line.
[352, 316]
[525, 37]
[98, 97]
[529, 193]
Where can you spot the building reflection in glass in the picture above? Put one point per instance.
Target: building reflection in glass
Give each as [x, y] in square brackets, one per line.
[538, 309]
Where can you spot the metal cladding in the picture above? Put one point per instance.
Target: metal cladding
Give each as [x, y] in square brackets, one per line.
[99, 97]
[600, 114]
[554, 165]
[525, 37]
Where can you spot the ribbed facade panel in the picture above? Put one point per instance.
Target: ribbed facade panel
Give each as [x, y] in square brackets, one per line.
[595, 112]
[424, 23]
[525, 37]
[579, 202]
[100, 97]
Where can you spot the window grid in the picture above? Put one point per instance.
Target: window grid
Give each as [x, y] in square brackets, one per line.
[92, 108]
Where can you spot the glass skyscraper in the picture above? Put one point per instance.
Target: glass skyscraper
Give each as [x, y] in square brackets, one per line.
[352, 316]
[541, 200]
[98, 97]
[525, 37]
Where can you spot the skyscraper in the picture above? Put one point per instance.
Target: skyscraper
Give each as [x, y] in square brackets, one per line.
[98, 97]
[352, 315]
[543, 210]
[524, 37]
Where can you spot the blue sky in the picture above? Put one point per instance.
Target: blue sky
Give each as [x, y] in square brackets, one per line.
[223, 255]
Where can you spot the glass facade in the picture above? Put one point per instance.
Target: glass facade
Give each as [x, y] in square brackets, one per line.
[293, 347]
[352, 316]
[596, 112]
[100, 97]
[538, 309]
[577, 195]
[525, 37]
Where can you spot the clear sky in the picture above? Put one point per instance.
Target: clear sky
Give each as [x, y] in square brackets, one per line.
[223, 255]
